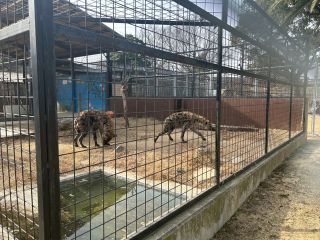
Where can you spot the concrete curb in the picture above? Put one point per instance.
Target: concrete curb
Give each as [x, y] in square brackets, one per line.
[206, 217]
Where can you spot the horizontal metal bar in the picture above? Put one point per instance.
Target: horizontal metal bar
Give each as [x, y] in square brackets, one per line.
[281, 30]
[261, 77]
[136, 21]
[216, 21]
[124, 45]
[111, 43]
[15, 97]
[121, 44]
[14, 29]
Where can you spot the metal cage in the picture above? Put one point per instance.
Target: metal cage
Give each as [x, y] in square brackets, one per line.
[116, 115]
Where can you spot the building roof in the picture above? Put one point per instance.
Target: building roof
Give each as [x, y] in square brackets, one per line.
[65, 14]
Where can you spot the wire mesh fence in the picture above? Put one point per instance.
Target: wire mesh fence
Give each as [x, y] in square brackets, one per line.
[115, 114]
[18, 170]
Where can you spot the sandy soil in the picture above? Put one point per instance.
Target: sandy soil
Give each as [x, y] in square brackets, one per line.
[134, 154]
[285, 206]
[191, 164]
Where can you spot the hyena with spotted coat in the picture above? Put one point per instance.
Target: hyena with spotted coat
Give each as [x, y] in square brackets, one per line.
[186, 121]
[93, 121]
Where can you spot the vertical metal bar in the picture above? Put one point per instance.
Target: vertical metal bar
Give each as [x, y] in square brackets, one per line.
[290, 107]
[219, 86]
[306, 69]
[241, 68]
[109, 73]
[268, 108]
[74, 84]
[315, 97]
[193, 83]
[45, 104]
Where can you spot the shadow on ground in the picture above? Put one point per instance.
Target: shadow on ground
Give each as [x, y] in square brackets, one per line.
[286, 205]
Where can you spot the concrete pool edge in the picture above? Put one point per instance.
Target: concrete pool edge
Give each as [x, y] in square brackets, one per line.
[173, 188]
[204, 218]
[6, 233]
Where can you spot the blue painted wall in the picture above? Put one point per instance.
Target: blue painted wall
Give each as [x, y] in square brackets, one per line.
[87, 91]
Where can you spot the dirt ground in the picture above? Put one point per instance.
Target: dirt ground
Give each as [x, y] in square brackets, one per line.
[132, 154]
[134, 151]
[139, 154]
[286, 205]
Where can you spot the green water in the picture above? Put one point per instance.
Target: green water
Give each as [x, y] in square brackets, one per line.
[85, 198]
[104, 207]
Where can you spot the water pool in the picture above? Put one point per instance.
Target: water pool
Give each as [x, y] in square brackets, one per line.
[104, 206]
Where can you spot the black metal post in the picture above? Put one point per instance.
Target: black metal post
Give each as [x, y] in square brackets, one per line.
[109, 80]
[219, 86]
[193, 85]
[241, 68]
[109, 72]
[315, 98]
[45, 111]
[290, 108]
[268, 108]
[74, 85]
[306, 69]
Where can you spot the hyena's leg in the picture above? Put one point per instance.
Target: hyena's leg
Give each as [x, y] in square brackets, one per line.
[199, 133]
[166, 130]
[82, 136]
[184, 129]
[95, 139]
[75, 140]
[76, 137]
[169, 132]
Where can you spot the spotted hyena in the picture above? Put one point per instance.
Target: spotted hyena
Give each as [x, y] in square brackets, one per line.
[186, 121]
[93, 121]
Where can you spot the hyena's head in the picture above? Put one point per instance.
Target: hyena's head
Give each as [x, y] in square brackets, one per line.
[209, 126]
[105, 141]
[110, 114]
[106, 131]
[107, 135]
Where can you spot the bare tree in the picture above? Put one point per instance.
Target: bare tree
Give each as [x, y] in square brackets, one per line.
[191, 41]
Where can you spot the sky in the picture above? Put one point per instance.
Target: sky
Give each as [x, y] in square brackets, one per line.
[148, 9]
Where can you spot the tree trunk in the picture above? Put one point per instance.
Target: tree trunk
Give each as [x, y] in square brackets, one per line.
[124, 90]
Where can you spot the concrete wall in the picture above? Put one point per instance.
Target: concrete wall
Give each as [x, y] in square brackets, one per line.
[206, 217]
[235, 111]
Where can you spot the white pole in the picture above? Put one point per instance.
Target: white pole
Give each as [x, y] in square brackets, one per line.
[256, 88]
[174, 86]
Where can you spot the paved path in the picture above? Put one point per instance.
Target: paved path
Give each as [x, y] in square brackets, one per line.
[286, 206]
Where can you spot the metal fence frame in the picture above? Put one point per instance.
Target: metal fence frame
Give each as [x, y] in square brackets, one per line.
[44, 77]
[42, 34]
